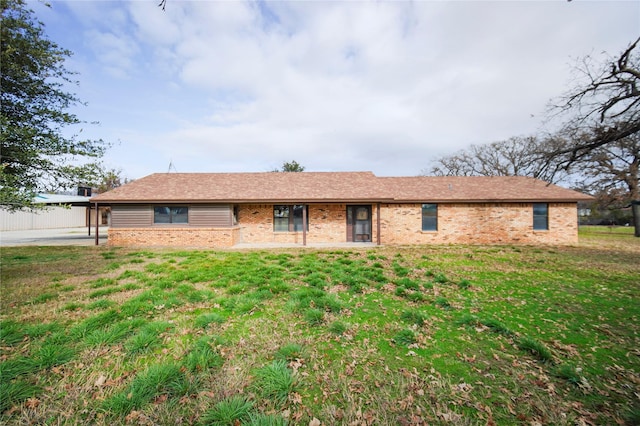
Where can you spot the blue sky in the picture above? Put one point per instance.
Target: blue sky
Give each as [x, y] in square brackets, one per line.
[232, 86]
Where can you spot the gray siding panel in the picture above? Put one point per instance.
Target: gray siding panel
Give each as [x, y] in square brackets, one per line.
[126, 216]
[141, 216]
[214, 216]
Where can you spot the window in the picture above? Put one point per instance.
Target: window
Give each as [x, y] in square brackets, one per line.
[429, 217]
[170, 214]
[540, 216]
[280, 218]
[289, 218]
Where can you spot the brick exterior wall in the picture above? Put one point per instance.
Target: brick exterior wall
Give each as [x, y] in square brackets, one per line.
[462, 223]
[327, 224]
[174, 237]
[482, 223]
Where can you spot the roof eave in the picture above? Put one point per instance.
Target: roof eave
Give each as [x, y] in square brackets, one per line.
[491, 200]
[246, 201]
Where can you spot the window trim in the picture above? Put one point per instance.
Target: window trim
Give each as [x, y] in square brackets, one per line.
[536, 223]
[290, 216]
[423, 216]
[171, 215]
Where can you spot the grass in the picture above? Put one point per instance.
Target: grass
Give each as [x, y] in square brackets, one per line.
[290, 352]
[275, 382]
[431, 335]
[231, 411]
[534, 347]
[604, 229]
[157, 380]
[405, 337]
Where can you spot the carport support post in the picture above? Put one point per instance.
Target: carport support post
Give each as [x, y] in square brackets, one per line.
[97, 224]
[378, 223]
[304, 225]
[89, 219]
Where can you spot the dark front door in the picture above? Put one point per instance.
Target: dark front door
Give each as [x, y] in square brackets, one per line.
[359, 223]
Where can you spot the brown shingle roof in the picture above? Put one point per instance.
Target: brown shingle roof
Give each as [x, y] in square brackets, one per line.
[477, 189]
[307, 187]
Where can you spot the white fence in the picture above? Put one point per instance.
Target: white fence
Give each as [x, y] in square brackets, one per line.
[49, 218]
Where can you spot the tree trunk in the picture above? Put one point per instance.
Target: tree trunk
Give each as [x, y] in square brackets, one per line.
[635, 209]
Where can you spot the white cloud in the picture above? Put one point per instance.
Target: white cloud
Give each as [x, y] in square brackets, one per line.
[116, 53]
[381, 86]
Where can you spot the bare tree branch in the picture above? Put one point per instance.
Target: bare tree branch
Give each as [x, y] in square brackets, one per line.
[605, 107]
[517, 156]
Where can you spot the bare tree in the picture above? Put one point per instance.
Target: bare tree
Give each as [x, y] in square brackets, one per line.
[612, 174]
[603, 107]
[517, 156]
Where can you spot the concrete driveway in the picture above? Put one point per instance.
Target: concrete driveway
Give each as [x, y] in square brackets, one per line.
[52, 237]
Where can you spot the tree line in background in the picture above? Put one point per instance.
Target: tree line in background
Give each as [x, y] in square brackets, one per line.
[596, 148]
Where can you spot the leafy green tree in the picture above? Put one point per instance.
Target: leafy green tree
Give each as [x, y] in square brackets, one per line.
[36, 151]
[292, 166]
[110, 179]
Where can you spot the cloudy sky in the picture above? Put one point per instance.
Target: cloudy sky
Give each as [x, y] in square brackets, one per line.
[387, 86]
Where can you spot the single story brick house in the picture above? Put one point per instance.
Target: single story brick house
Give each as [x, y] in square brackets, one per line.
[224, 209]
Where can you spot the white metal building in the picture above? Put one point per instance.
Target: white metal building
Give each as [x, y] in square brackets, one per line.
[62, 211]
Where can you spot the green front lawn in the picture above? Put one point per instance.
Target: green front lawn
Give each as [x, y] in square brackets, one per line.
[410, 335]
